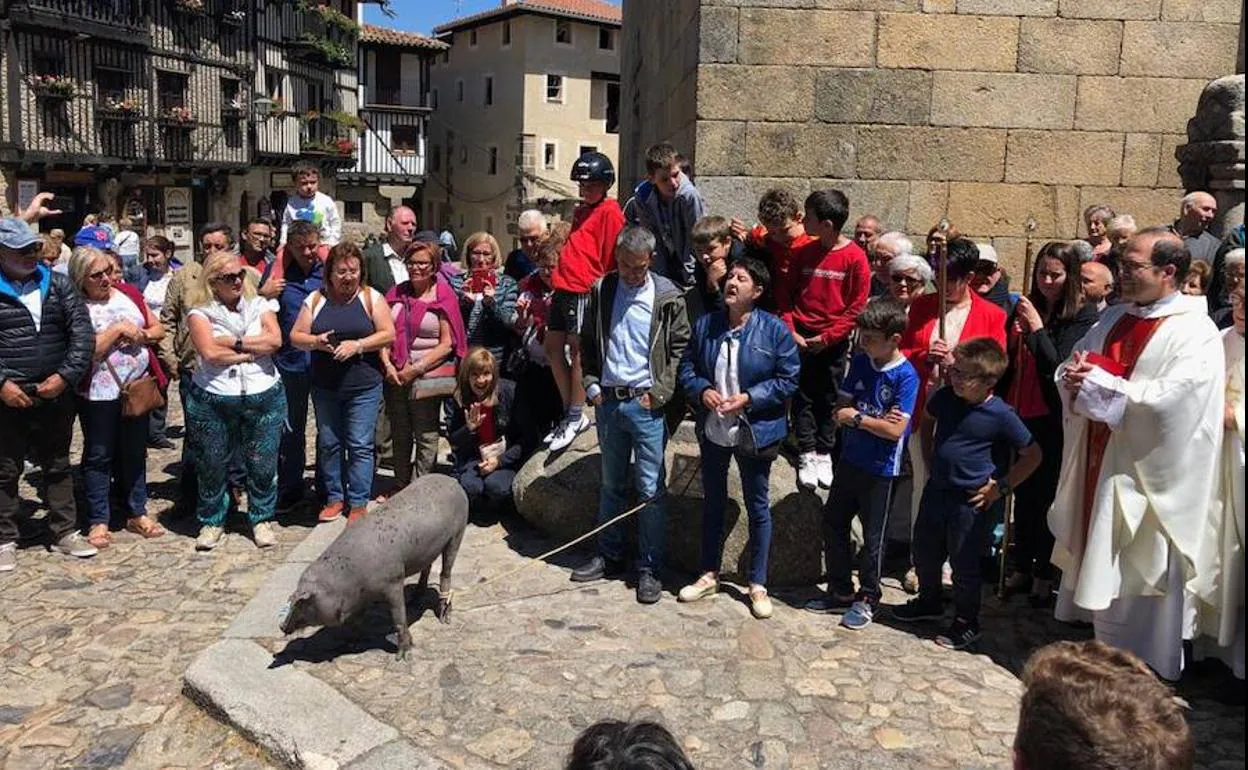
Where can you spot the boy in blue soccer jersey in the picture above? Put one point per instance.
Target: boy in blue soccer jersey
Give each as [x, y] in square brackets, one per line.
[873, 409]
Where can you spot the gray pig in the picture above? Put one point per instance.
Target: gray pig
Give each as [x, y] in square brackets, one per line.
[372, 557]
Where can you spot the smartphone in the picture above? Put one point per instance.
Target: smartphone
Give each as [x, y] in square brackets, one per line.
[333, 338]
[480, 279]
[61, 203]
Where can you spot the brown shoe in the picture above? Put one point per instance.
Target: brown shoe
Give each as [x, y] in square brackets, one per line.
[356, 514]
[330, 512]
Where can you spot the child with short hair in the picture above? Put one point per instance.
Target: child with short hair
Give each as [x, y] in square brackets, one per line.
[965, 422]
[830, 286]
[777, 238]
[874, 407]
[668, 205]
[535, 383]
[716, 250]
[587, 255]
[308, 204]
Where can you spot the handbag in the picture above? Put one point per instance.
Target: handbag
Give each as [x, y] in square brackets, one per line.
[139, 396]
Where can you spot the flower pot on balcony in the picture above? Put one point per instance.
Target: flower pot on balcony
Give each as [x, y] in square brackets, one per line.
[123, 111]
[190, 7]
[177, 118]
[53, 87]
[233, 19]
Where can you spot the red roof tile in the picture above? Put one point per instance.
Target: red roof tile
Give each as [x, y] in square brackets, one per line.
[582, 10]
[371, 33]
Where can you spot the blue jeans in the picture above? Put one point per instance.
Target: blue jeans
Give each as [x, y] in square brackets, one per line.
[292, 455]
[755, 484]
[626, 428]
[107, 436]
[252, 424]
[346, 425]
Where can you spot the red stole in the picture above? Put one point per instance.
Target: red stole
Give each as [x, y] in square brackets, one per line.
[1123, 346]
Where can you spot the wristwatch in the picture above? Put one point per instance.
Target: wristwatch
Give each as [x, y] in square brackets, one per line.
[238, 344]
[1004, 489]
[857, 419]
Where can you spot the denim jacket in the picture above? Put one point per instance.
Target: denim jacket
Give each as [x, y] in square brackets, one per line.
[767, 369]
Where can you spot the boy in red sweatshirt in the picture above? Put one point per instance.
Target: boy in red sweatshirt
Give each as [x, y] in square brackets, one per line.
[588, 254]
[776, 241]
[832, 280]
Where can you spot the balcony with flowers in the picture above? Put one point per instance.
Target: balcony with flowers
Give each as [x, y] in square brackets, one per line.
[53, 87]
[324, 35]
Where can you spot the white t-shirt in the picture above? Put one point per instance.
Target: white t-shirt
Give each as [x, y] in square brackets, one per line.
[320, 210]
[723, 430]
[155, 291]
[236, 379]
[130, 362]
[397, 269]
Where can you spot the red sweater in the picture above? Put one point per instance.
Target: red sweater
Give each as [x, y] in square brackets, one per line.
[831, 289]
[984, 320]
[590, 251]
[781, 258]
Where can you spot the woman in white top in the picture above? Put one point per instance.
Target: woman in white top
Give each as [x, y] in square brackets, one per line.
[124, 330]
[235, 398]
[158, 262]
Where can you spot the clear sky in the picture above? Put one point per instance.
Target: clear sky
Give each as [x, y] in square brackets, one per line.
[423, 15]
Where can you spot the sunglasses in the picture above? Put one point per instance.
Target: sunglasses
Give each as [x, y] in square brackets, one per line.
[230, 277]
[419, 265]
[98, 274]
[906, 280]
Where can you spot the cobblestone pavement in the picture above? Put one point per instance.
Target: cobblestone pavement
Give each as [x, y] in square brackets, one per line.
[92, 653]
[528, 662]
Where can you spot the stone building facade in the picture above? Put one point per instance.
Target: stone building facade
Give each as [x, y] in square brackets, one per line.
[988, 112]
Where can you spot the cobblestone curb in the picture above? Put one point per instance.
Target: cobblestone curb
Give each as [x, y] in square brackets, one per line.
[298, 719]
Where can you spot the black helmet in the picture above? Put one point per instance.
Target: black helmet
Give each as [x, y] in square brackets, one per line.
[593, 167]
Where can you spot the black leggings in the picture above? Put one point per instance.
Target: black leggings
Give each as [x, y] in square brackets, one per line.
[1033, 541]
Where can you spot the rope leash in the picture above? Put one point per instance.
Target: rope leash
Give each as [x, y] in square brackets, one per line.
[541, 559]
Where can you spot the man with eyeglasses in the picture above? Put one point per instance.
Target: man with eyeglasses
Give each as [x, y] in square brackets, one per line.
[530, 232]
[255, 251]
[46, 346]
[1142, 396]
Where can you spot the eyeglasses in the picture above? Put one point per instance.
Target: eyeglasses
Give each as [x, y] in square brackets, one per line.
[906, 280]
[98, 274]
[419, 265]
[961, 374]
[1133, 267]
[229, 277]
[529, 239]
[482, 253]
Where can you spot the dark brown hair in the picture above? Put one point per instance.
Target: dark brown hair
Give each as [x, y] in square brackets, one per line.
[1071, 300]
[1089, 706]
[344, 251]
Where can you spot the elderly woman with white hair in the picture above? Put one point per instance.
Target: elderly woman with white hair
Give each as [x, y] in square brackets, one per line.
[1097, 219]
[888, 247]
[1232, 279]
[909, 276]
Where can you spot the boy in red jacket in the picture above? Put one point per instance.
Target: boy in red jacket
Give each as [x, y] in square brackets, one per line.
[832, 280]
[588, 254]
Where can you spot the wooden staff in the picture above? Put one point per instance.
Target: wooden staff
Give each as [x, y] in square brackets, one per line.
[942, 270]
[1015, 391]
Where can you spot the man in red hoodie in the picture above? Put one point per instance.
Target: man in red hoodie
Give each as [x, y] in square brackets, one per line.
[833, 281]
[588, 254]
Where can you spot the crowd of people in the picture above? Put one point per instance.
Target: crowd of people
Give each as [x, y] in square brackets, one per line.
[912, 382]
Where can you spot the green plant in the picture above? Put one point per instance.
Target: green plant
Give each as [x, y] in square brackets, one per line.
[346, 120]
[335, 54]
[331, 17]
[58, 86]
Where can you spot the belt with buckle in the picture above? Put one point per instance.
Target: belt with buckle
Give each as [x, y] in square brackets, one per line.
[621, 393]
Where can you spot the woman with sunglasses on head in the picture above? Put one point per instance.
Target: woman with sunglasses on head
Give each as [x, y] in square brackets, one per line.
[235, 398]
[1043, 330]
[124, 333]
[487, 296]
[419, 366]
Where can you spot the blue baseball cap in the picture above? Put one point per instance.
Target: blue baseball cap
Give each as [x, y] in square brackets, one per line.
[96, 237]
[16, 234]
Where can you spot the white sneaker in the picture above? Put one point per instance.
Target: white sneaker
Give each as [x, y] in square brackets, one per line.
[568, 432]
[209, 538]
[74, 544]
[263, 535]
[8, 557]
[808, 470]
[824, 470]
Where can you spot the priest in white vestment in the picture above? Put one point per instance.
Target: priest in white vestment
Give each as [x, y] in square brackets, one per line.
[1218, 589]
[1142, 415]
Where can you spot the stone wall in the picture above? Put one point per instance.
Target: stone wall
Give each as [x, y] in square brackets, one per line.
[984, 111]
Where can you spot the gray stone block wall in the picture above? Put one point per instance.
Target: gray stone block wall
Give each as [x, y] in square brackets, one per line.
[985, 111]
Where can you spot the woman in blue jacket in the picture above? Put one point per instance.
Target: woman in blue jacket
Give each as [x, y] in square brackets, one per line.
[740, 368]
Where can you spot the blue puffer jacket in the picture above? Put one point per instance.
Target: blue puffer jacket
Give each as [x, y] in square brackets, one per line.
[767, 369]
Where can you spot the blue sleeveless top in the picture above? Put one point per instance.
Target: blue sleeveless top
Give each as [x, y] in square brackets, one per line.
[348, 322]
